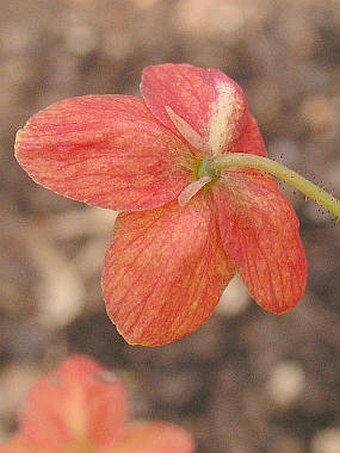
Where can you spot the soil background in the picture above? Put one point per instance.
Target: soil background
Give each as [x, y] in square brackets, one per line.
[247, 381]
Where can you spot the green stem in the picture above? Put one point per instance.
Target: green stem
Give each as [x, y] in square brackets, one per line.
[279, 171]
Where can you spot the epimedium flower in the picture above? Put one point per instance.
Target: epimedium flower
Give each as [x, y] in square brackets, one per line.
[82, 407]
[187, 226]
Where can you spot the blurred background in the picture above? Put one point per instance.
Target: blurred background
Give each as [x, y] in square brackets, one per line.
[247, 381]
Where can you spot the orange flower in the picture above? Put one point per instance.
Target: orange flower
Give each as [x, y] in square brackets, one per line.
[187, 229]
[81, 407]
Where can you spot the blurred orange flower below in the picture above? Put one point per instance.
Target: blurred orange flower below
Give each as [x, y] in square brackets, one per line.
[82, 408]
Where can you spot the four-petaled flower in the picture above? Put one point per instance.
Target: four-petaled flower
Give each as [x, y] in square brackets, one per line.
[82, 407]
[186, 229]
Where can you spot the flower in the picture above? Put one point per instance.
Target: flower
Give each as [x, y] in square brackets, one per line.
[187, 229]
[82, 407]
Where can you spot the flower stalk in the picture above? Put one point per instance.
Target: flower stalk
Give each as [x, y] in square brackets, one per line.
[309, 189]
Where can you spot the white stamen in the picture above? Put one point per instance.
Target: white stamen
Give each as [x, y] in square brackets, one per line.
[191, 190]
[187, 131]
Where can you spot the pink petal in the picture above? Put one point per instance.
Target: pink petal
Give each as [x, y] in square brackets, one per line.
[250, 141]
[203, 105]
[104, 150]
[260, 232]
[78, 404]
[165, 271]
[155, 437]
[19, 444]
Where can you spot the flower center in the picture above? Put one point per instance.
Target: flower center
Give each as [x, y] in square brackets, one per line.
[205, 175]
[205, 168]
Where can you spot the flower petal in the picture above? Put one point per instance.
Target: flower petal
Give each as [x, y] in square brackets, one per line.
[19, 444]
[104, 150]
[211, 104]
[260, 232]
[155, 437]
[165, 271]
[78, 404]
[250, 140]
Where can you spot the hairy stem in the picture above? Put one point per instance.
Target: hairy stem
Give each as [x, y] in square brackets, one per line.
[279, 171]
